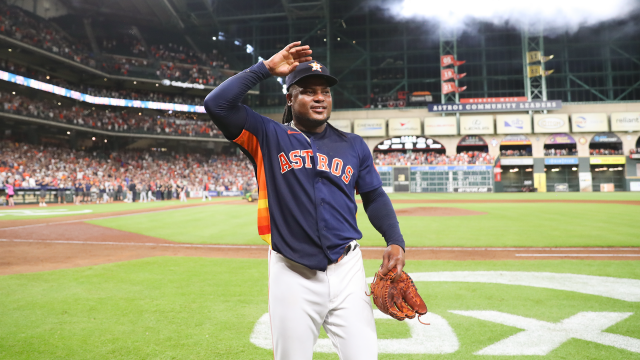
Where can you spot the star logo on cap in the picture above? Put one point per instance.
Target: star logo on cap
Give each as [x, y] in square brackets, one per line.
[315, 66]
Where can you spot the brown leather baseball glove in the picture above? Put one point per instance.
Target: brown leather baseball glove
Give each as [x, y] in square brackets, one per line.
[398, 299]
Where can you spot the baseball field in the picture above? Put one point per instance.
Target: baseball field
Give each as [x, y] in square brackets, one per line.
[505, 276]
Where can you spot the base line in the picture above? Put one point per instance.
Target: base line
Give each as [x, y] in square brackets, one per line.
[578, 255]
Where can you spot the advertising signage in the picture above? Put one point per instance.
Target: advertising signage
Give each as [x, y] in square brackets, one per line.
[452, 168]
[561, 161]
[589, 122]
[560, 139]
[608, 160]
[515, 140]
[441, 125]
[476, 124]
[513, 124]
[370, 127]
[97, 99]
[497, 107]
[609, 138]
[400, 127]
[550, 123]
[626, 121]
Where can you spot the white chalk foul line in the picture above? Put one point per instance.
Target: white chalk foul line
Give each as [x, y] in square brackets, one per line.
[580, 255]
[138, 244]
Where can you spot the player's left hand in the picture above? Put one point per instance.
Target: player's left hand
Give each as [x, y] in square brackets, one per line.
[393, 257]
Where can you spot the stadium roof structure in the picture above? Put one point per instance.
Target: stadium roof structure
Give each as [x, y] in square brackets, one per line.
[378, 57]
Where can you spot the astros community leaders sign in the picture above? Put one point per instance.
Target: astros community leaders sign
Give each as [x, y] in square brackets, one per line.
[505, 106]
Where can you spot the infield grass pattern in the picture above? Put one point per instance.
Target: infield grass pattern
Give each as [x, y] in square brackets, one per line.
[197, 308]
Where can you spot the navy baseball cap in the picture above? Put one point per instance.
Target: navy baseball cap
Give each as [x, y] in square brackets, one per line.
[310, 68]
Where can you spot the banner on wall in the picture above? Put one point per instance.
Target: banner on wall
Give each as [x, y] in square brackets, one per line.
[561, 161]
[513, 124]
[370, 127]
[447, 60]
[409, 126]
[449, 87]
[493, 100]
[589, 122]
[609, 138]
[478, 124]
[560, 139]
[446, 125]
[586, 182]
[625, 121]
[550, 123]
[344, 125]
[497, 107]
[472, 140]
[515, 140]
[512, 162]
[608, 160]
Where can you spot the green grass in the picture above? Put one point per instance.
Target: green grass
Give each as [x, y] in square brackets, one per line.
[505, 224]
[97, 208]
[205, 308]
[620, 196]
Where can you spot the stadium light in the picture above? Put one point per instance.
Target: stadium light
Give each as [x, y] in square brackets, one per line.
[214, 38]
[105, 140]
[238, 42]
[93, 138]
[249, 49]
[68, 132]
[13, 92]
[9, 50]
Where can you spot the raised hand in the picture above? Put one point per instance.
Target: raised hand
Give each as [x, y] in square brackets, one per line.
[286, 60]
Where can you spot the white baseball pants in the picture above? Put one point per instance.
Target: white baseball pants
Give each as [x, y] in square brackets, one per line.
[301, 300]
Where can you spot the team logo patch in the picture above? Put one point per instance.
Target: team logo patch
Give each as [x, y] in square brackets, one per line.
[315, 66]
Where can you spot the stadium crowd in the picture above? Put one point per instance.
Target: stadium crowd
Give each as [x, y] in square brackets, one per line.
[32, 30]
[515, 153]
[561, 152]
[431, 158]
[125, 175]
[175, 124]
[596, 152]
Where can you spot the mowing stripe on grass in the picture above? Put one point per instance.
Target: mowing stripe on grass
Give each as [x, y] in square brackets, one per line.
[107, 217]
[638, 255]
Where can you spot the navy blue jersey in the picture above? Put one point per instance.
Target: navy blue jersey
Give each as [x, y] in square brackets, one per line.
[307, 183]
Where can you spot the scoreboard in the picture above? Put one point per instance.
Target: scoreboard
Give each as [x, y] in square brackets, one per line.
[461, 178]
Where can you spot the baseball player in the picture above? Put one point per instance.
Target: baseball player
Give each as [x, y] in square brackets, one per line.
[308, 173]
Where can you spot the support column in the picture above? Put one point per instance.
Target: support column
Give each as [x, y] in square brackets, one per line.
[449, 46]
[535, 87]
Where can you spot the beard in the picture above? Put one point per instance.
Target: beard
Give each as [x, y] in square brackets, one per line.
[307, 122]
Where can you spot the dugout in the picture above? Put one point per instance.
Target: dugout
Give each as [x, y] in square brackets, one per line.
[517, 174]
[607, 162]
[560, 145]
[472, 143]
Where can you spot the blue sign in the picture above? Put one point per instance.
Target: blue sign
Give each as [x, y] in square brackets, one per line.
[213, 193]
[21, 80]
[232, 193]
[451, 168]
[384, 168]
[497, 107]
[561, 161]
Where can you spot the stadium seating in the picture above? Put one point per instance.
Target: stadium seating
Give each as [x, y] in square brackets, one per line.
[26, 165]
[432, 158]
